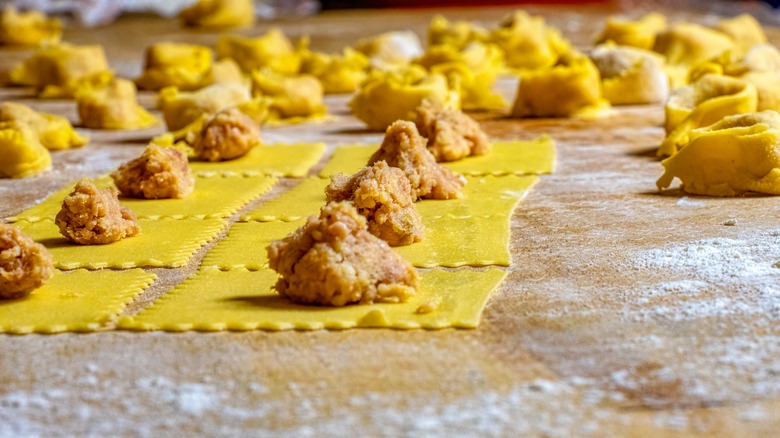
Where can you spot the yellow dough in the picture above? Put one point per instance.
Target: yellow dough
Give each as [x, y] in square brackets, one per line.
[387, 96]
[78, 301]
[114, 106]
[212, 198]
[31, 28]
[629, 75]
[219, 13]
[458, 34]
[214, 300]
[21, 151]
[640, 33]
[183, 108]
[528, 43]
[702, 103]
[744, 30]
[506, 158]
[291, 160]
[166, 243]
[174, 64]
[689, 43]
[570, 88]
[289, 97]
[273, 50]
[338, 73]
[738, 154]
[391, 49]
[54, 132]
[55, 71]
[476, 68]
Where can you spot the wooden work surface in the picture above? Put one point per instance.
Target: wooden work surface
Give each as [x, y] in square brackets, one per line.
[625, 312]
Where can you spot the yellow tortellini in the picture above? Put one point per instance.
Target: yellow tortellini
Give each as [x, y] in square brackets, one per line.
[387, 96]
[175, 65]
[22, 152]
[53, 131]
[224, 71]
[476, 67]
[458, 34]
[58, 70]
[273, 50]
[630, 75]
[702, 103]
[688, 43]
[337, 73]
[114, 106]
[28, 28]
[744, 30]
[289, 97]
[571, 88]
[738, 154]
[182, 108]
[391, 49]
[528, 43]
[219, 13]
[640, 33]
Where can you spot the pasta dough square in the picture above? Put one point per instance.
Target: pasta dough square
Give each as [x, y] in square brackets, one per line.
[166, 243]
[244, 246]
[292, 160]
[213, 198]
[214, 300]
[80, 300]
[507, 157]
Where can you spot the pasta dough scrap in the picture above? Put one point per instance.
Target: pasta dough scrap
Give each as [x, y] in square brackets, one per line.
[94, 216]
[640, 33]
[219, 13]
[506, 158]
[528, 42]
[333, 260]
[22, 152]
[31, 28]
[744, 30]
[77, 301]
[391, 49]
[158, 173]
[387, 96]
[168, 243]
[451, 134]
[273, 50]
[178, 65]
[214, 198]
[289, 96]
[736, 155]
[630, 76]
[54, 132]
[338, 73]
[702, 103]
[183, 108]
[688, 43]
[241, 300]
[57, 70]
[570, 88]
[114, 106]
[24, 264]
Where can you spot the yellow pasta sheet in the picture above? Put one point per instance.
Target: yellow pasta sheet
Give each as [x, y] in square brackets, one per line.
[213, 198]
[162, 243]
[214, 300]
[80, 301]
[293, 160]
[509, 157]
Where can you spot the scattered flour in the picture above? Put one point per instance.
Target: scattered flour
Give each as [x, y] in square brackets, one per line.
[688, 202]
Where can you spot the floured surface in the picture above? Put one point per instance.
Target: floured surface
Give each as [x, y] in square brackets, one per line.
[625, 312]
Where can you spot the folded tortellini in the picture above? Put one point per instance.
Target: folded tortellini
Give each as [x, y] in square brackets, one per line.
[219, 13]
[630, 75]
[289, 97]
[175, 65]
[702, 103]
[688, 43]
[30, 28]
[640, 33]
[571, 88]
[58, 70]
[476, 67]
[391, 49]
[528, 43]
[54, 132]
[182, 108]
[114, 106]
[387, 96]
[272, 50]
[22, 152]
[744, 30]
[338, 73]
[458, 34]
[738, 154]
